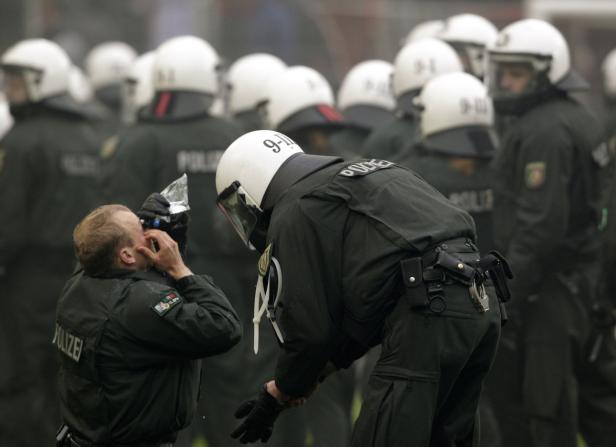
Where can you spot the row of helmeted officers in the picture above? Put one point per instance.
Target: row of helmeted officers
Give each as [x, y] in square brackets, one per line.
[132, 124]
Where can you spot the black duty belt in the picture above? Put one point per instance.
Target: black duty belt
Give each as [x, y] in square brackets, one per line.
[66, 438]
[454, 262]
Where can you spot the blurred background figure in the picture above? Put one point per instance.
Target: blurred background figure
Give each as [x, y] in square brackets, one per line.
[106, 66]
[6, 120]
[300, 104]
[470, 35]
[48, 169]
[415, 64]
[429, 28]
[137, 88]
[366, 101]
[247, 80]
[547, 186]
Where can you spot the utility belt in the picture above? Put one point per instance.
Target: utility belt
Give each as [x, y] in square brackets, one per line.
[66, 438]
[456, 261]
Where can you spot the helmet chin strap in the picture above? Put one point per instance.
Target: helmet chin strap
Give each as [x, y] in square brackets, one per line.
[262, 304]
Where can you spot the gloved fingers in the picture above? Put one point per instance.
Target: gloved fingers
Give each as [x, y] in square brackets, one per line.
[245, 408]
[157, 204]
[239, 431]
[265, 434]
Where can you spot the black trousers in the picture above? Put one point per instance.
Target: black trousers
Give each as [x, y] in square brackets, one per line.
[543, 387]
[425, 388]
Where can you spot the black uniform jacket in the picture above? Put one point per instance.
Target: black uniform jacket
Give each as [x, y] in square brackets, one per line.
[48, 181]
[151, 154]
[393, 140]
[339, 235]
[547, 192]
[471, 191]
[128, 346]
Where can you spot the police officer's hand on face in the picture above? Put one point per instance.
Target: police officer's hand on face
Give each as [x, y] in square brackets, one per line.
[167, 258]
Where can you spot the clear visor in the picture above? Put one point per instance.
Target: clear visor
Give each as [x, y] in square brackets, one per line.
[17, 82]
[472, 56]
[514, 75]
[240, 209]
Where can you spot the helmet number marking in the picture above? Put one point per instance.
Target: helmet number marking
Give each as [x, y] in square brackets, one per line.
[476, 106]
[275, 146]
[425, 66]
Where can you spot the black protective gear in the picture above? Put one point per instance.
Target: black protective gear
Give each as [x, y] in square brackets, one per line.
[154, 213]
[260, 413]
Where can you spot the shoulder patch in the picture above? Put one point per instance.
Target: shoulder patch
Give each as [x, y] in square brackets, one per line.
[109, 147]
[265, 260]
[360, 168]
[601, 155]
[2, 156]
[169, 300]
[534, 174]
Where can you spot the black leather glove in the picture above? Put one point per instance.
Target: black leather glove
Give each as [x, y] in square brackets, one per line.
[260, 414]
[154, 213]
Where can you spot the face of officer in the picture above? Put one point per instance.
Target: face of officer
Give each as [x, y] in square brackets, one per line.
[515, 77]
[128, 256]
[15, 88]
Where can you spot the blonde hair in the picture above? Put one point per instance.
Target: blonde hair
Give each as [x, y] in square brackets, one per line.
[97, 238]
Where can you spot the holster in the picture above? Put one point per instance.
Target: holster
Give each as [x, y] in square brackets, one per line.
[500, 273]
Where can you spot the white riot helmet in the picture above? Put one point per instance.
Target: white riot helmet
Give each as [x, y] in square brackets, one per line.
[244, 173]
[538, 48]
[429, 28]
[365, 96]
[417, 63]
[6, 120]
[138, 89]
[470, 35]
[43, 66]
[297, 98]
[79, 85]
[609, 74]
[107, 64]
[247, 79]
[456, 116]
[188, 64]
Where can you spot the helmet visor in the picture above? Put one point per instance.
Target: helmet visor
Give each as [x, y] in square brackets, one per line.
[515, 75]
[239, 209]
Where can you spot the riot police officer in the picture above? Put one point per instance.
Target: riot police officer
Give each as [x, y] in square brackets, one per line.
[47, 182]
[356, 254]
[547, 198]
[247, 81]
[131, 325]
[366, 102]
[106, 66]
[469, 35]
[415, 64]
[423, 30]
[456, 145]
[177, 134]
[300, 102]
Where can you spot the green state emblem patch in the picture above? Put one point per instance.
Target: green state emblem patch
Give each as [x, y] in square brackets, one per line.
[534, 174]
[170, 300]
[265, 260]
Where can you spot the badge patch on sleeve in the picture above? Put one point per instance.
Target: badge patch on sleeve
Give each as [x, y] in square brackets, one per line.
[534, 174]
[170, 300]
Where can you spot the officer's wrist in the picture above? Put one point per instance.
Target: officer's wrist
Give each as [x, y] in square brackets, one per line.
[179, 272]
[273, 390]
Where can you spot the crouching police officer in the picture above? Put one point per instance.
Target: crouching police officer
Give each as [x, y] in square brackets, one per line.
[129, 336]
[357, 254]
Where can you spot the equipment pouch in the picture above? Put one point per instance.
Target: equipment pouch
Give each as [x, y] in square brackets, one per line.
[415, 289]
[455, 268]
[500, 273]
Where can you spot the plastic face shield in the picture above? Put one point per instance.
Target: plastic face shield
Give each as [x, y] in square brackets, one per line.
[240, 209]
[514, 75]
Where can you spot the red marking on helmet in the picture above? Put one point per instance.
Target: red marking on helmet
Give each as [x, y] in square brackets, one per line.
[329, 113]
[163, 104]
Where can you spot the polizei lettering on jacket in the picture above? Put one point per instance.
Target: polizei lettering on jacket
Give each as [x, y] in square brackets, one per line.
[198, 162]
[473, 201]
[67, 343]
[360, 168]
